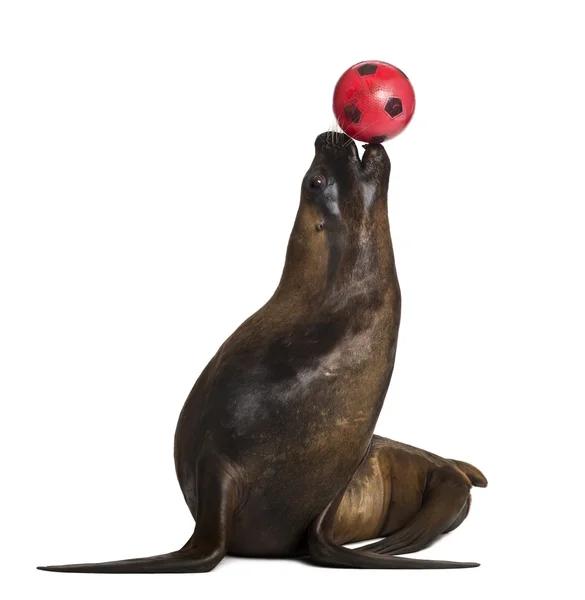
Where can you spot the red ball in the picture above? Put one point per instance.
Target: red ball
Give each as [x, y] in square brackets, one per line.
[373, 101]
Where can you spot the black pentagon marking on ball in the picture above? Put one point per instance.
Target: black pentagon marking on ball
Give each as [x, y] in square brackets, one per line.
[367, 69]
[353, 113]
[393, 107]
[378, 139]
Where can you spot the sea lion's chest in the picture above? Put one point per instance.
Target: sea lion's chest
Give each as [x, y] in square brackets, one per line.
[317, 377]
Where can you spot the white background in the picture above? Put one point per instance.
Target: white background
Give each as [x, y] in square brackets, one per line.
[150, 168]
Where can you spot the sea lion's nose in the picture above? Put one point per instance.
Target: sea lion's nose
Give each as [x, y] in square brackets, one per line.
[332, 139]
[333, 142]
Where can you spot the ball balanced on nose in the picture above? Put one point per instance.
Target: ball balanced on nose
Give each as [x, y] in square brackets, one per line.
[373, 101]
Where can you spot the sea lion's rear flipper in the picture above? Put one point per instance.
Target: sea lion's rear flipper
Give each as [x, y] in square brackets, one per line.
[445, 506]
[202, 552]
[476, 477]
[324, 551]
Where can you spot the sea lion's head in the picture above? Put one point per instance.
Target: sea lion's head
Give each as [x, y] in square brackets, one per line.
[342, 224]
[342, 187]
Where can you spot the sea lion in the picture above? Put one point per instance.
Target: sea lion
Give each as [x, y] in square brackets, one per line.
[283, 415]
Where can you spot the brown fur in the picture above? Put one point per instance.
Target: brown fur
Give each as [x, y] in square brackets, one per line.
[405, 493]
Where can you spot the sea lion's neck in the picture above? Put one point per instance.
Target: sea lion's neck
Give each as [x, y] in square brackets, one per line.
[364, 265]
[331, 267]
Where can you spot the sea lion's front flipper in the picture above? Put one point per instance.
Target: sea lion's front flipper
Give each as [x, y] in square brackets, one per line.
[208, 544]
[324, 551]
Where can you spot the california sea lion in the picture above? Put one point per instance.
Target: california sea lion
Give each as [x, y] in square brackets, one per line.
[283, 415]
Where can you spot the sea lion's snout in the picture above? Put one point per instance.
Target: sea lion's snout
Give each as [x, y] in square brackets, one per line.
[339, 183]
[336, 146]
[333, 140]
[338, 149]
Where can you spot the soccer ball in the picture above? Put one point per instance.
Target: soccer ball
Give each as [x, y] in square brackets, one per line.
[373, 101]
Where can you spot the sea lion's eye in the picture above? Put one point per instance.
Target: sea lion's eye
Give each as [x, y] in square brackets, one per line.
[317, 182]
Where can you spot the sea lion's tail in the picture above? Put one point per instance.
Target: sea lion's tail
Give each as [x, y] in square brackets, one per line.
[476, 477]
